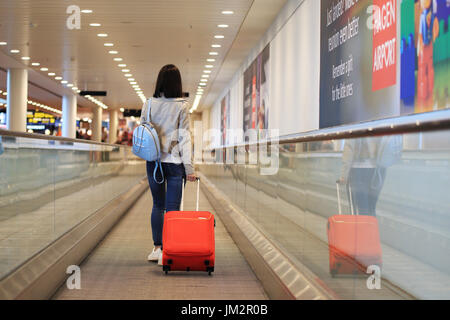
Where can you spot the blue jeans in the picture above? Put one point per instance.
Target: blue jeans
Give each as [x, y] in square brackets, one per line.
[166, 196]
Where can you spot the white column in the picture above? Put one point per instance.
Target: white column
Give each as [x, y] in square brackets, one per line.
[17, 99]
[97, 124]
[113, 124]
[69, 109]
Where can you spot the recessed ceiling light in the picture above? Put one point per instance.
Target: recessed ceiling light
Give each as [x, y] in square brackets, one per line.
[125, 70]
[26, 58]
[204, 80]
[133, 83]
[15, 51]
[219, 37]
[113, 52]
[216, 46]
[223, 26]
[70, 85]
[95, 24]
[227, 12]
[51, 74]
[122, 65]
[128, 75]
[44, 69]
[3, 43]
[207, 71]
[109, 44]
[202, 84]
[35, 64]
[205, 76]
[86, 11]
[213, 53]
[130, 79]
[118, 59]
[209, 66]
[64, 82]
[58, 78]
[102, 35]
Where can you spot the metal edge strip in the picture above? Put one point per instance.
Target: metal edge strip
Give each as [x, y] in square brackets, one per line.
[42, 276]
[416, 123]
[281, 279]
[9, 133]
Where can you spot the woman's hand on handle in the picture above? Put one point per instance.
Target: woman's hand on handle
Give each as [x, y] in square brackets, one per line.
[191, 178]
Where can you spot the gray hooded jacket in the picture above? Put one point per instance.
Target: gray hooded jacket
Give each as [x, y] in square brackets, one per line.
[171, 120]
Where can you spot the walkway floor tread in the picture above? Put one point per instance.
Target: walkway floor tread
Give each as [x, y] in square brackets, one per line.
[118, 267]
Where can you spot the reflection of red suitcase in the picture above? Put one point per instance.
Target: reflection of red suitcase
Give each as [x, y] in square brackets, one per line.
[188, 240]
[354, 242]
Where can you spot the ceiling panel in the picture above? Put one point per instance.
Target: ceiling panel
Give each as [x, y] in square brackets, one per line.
[147, 34]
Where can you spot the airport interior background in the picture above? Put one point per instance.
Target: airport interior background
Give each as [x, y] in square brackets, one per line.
[304, 114]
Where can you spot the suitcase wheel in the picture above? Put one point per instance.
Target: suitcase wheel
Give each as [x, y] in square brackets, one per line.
[333, 272]
[210, 270]
[166, 269]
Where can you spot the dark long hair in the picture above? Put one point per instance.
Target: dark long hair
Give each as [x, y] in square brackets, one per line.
[169, 83]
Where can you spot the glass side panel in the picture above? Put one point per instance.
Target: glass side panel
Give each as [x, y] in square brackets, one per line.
[370, 217]
[48, 187]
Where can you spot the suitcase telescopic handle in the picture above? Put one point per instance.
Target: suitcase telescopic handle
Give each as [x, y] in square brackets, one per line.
[349, 190]
[198, 195]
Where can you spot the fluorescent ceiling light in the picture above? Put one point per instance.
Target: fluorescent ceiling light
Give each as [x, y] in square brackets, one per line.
[113, 52]
[202, 84]
[26, 58]
[95, 24]
[128, 75]
[58, 78]
[209, 66]
[109, 44]
[131, 79]
[228, 12]
[219, 37]
[206, 71]
[86, 11]
[223, 26]
[125, 70]
[51, 74]
[102, 35]
[211, 60]
[213, 53]
[70, 85]
[35, 64]
[216, 46]
[3, 43]
[118, 59]
[15, 51]
[64, 82]
[205, 76]
[204, 80]
[122, 65]
[44, 69]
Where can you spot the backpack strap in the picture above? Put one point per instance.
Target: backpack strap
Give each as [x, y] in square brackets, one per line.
[158, 163]
[149, 111]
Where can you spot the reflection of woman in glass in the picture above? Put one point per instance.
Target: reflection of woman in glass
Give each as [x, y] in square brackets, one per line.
[361, 172]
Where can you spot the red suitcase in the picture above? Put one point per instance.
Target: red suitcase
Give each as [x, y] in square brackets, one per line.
[353, 241]
[188, 240]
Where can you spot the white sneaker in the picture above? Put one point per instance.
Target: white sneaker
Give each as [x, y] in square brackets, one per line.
[154, 256]
[160, 258]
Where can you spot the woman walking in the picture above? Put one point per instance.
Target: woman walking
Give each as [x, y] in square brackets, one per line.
[169, 113]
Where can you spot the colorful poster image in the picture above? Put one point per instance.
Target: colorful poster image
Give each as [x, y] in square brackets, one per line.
[425, 55]
[225, 118]
[256, 93]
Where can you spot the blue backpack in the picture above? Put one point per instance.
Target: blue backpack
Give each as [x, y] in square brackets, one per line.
[146, 144]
